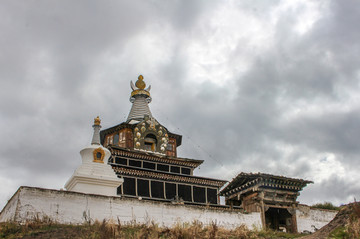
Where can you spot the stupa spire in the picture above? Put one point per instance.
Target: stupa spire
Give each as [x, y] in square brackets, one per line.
[140, 98]
[96, 135]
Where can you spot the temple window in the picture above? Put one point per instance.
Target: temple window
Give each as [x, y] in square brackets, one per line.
[157, 189]
[175, 169]
[122, 136]
[186, 171]
[184, 192]
[129, 186]
[143, 187]
[212, 196]
[150, 142]
[135, 163]
[116, 139]
[163, 167]
[149, 165]
[169, 147]
[170, 190]
[122, 161]
[199, 194]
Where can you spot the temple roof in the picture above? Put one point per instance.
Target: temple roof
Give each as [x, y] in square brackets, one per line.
[244, 181]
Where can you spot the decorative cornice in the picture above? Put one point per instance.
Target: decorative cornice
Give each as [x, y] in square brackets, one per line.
[171, 177]
[124, 125]
[247, 180]
[118, 151]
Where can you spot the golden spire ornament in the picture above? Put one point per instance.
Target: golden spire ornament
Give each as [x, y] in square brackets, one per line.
[97, 121]
[140, 83]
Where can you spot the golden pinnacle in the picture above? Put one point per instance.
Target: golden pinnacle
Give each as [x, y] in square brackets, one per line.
[140, 83]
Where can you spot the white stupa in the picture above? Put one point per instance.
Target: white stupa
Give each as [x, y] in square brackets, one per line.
[94, 175]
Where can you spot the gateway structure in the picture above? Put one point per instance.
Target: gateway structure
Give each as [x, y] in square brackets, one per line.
[273, 196]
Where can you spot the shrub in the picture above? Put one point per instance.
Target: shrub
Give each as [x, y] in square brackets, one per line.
[326, 205]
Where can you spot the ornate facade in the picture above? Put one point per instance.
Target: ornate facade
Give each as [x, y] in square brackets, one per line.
[144, 154]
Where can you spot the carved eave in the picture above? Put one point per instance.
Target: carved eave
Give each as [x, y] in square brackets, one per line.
[135, 154]
[170, 177]
[245, 182]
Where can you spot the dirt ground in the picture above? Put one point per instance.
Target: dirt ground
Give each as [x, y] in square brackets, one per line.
[347, 217]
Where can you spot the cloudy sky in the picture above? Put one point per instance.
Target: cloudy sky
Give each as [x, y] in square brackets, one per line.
[253, 86]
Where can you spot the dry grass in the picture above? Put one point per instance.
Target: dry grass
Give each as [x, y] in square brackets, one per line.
[353, 227]
[108, 230]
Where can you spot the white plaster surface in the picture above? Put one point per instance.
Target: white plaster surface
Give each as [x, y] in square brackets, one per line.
[75, 208]
[310, 218]
[9, 211]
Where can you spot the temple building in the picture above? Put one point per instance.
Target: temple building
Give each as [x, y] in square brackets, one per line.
[131, 173]
[273, 196]
[144, 155]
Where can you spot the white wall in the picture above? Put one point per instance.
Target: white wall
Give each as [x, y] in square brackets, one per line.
[308, 218]
[9, 211]
[71, 207]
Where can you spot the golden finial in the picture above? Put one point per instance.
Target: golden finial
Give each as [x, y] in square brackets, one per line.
[97, 121]
[140, 83]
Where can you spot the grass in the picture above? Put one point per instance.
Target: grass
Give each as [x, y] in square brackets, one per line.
[106, 230]
[326, 205]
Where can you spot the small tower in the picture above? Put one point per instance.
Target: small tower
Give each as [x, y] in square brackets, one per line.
[94, 175]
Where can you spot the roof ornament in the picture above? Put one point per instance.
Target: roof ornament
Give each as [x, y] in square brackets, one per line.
[97, 121]
[139, 87]
[140, 82]
[96, 135]
[140, 97]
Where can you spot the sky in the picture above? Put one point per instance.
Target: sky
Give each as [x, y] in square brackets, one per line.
[253, 86]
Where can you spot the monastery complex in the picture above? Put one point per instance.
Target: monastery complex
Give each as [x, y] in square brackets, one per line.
[131, 173]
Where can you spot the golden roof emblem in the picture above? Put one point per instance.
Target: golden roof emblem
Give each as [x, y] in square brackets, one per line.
[97, 121]
[140, 83]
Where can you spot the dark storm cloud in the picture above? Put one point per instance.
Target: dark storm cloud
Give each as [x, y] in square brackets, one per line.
[64, 62]
[318, 68]
[335, 188]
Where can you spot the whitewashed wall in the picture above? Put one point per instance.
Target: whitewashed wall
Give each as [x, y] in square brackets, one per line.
[310, 218]
[71, 207]
[9, 211]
